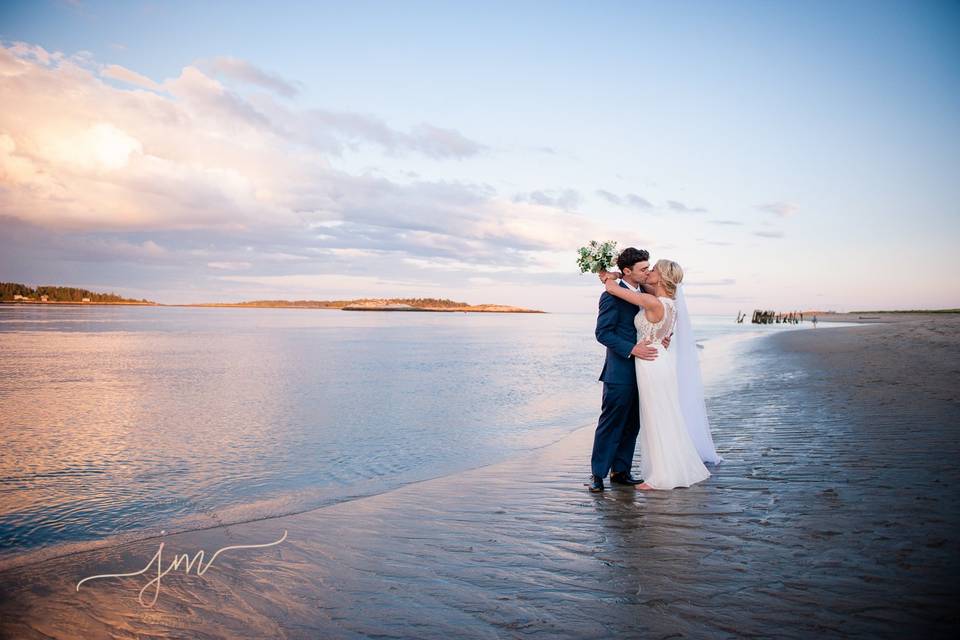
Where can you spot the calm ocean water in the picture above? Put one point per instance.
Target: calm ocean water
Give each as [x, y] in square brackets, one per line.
[125, 421]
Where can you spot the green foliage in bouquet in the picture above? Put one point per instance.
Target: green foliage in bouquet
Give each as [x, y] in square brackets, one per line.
[597, 256]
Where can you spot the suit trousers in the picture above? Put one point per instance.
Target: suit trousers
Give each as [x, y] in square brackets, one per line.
[616, 436]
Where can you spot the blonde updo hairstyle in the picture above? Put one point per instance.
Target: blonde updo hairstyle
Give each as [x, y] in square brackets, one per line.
[671, 275]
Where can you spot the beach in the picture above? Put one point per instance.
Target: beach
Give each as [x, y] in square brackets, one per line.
[304, 309]
[835, 514]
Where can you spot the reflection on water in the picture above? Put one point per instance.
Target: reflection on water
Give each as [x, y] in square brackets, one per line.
[129, 420]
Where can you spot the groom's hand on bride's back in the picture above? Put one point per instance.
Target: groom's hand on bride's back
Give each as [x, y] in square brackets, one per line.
[644, 351]
[666, 341]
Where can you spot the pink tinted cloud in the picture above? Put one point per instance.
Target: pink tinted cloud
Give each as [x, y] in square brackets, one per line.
[83, 153]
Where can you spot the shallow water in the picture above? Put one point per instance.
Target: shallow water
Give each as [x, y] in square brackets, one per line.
[125, 421]
[824, 522]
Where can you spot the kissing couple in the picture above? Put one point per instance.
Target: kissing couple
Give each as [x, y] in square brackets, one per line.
[650, 388]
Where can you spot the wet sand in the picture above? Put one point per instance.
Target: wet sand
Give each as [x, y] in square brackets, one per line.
[835, 515]
[888, 317]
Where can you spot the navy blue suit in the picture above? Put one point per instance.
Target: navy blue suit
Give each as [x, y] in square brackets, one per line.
[619, 424]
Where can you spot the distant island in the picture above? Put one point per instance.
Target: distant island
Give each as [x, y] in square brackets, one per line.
[21, 293]
[16, 293]
[376, 304]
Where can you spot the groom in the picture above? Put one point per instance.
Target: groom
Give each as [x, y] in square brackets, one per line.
[619, 423]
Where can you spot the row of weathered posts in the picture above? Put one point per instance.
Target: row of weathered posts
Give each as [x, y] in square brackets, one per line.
[772, 317]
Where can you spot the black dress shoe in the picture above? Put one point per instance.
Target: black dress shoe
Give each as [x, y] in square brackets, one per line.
[624, 477]
[596, 484]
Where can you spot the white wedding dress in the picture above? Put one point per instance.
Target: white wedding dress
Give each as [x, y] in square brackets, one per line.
[668, 456]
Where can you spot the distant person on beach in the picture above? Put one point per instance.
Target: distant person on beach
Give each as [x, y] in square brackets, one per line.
[668, 456]
[814, 322]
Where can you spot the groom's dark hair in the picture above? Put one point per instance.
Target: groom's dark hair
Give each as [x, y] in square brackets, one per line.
[630, 256]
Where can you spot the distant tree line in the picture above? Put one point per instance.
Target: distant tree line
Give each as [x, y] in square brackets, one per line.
[58, 294]
[429, 302]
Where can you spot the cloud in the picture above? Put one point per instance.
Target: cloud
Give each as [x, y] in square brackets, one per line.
[612, 198]
[116, 72]
[714, 296]
[441, 143]
[723, 282]
[245, 72]
[45, 245]
[84, 154]
[196, 100]
[729, 223]
[634, 200]
[206, 99]
[769, 234]
[202, 180]
[630, 199]
[334, 131]
[35, 52]
[674, 205]
[782, 209]
[565, 199]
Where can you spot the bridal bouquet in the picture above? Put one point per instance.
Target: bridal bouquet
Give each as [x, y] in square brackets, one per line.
[597, 256]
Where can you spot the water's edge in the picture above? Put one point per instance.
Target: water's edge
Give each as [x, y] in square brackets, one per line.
[42, 555]
[29, 558]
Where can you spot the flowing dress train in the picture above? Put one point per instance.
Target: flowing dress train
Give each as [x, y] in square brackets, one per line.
[668, 456]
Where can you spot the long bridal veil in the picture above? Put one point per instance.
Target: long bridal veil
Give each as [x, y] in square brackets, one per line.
[691, 384]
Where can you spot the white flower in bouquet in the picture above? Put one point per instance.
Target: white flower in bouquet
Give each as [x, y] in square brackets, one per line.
[597, 256]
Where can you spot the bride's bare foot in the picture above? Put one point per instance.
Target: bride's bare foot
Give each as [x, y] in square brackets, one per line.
[643, 486]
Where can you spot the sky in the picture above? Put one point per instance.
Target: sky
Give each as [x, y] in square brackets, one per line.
[787, 155]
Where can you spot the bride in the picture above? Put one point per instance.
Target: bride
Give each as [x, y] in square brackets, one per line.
[668, 455]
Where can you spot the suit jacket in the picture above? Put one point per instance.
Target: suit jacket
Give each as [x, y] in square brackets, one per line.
[616, 331]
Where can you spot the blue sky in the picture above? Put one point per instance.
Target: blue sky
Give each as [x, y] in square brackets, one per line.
[789, 155]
